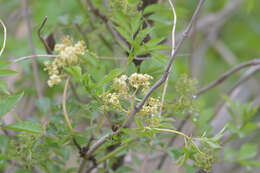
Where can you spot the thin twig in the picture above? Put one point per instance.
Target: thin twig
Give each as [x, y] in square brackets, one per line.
[34, 64]
[5, 36]
[65, 113]
[48, 49]
[33, 56]
[227, 74]
[185, 35]
[106, 21]
[172, 52]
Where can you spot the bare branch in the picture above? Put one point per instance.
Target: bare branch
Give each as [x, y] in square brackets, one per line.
[48, 49]
[172, 52]
[34, 64]
[227, 74]
[33, 56]
[5, 36]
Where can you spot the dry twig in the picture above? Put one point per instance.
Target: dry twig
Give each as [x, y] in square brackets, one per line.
[5, 36]
[34, 64]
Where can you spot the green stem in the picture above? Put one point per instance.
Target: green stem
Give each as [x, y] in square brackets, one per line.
[114, 152]
[176, 132]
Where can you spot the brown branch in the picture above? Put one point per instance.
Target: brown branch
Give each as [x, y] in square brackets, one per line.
[109, 26]
[48, 49]
[227, 74]
[155, 86]
[250, 73]
[34, 64]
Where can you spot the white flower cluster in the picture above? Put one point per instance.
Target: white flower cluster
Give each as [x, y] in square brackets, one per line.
[124, 86]
[140, 80]
[111, 98]
[67, 56]
[120, 84]
[151, 107]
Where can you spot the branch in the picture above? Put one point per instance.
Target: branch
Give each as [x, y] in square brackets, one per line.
[48, 49]
[34, 64]
[5, 36]
[64, 98]
[227, 74]
[106, 21]
[172, 52]
[32, 57]
[155, 86]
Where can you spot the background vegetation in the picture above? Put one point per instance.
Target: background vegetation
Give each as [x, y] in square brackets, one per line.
[209, 121]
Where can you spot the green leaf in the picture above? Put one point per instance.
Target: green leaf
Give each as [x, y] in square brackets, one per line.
[125, 169]
[247, 151]
[247, 129]
[6, 72]
[139, 123]
[4, 87]
[155, 8]
[124, 33]
[136, 23]
[212, 144]
[113, 74]
[142, 34]
[89, 58]
[255, 163]
[4, 63]
[230, 155]
[75, 71]
[25, 126]
[121, 20]
[8, 103]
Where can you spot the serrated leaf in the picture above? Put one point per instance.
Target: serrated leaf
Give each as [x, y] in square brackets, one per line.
[121, 20]
[25, 126]
[6, 72]
[142, 34]
[136, 23]
[124, 33]
[8, 103]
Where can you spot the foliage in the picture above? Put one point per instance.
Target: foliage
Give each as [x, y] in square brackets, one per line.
[99, 104]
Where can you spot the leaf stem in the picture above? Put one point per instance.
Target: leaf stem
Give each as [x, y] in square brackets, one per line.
[179, 133]
[65, 113]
